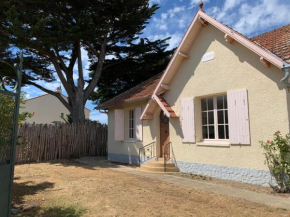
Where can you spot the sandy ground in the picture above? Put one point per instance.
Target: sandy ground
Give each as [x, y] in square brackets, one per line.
[70, 189]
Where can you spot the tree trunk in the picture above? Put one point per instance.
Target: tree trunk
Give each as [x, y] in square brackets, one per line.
[78, 109]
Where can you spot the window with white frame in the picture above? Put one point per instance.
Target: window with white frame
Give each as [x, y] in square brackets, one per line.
[215, 118]
[131, 124]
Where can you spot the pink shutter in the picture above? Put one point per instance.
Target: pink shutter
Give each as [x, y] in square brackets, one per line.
[138, 124]
[119, 125]
[239, 129]
[187, 120]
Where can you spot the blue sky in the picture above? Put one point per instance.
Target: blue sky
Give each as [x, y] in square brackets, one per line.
[249, 17]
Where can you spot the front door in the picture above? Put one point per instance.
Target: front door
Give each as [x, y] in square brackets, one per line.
[164, 133]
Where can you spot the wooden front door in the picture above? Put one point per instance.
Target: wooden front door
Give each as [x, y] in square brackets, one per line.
[164, 133]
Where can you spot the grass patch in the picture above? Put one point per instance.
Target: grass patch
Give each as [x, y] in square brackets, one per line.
[55, 211]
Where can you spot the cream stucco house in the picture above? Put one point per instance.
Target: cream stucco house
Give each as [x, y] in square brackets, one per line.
[47, 109]
[219, 96]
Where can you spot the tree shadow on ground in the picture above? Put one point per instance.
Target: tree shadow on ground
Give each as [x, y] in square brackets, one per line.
[91, 163]
[22, 189]
[56, 211]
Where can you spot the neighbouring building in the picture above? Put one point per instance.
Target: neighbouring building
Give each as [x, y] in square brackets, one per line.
[47, 109]
[219, 96]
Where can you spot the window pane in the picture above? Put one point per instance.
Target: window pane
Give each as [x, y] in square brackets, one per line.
[221, 129]
[211, 132]
[220, 102]
[210, 118]
[220, 117]
[204, 118]
[226, 116]
[227, 131]
[210, 103]
[225, 102]
[203, 105]
[204, 132]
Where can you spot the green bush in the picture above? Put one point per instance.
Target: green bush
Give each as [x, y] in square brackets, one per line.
[277, 153]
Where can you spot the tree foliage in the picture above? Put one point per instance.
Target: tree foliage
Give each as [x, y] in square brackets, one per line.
[54, 33]
[7, 107]
[143, 60]
[277, 153]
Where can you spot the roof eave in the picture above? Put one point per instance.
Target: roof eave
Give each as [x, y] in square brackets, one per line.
[125, 103]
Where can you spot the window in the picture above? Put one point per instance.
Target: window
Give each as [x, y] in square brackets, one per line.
[131, 124]
[215, 118]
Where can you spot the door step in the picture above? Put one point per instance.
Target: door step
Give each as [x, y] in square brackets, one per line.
[158, 167]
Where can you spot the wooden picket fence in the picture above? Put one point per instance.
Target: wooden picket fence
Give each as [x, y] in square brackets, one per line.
[61, 141]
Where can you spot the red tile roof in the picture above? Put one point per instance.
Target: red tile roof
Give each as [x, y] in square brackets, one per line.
[139, 92]
[168, 108]
[276, 41]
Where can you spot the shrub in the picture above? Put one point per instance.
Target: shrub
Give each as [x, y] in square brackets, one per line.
[277, 153]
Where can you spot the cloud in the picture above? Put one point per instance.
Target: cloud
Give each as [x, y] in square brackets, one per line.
[177, 15]
[97, 116]
[265, 14]
[151, 2]
[252, 17]
[172, 12]
[173, 42]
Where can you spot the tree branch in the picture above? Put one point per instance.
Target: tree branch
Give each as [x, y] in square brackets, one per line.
[68, 72]
[57, 95]
[81, 82]
[90, 88]
[67, 87]
[91, 47]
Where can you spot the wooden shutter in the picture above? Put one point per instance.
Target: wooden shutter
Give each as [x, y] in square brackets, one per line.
[119, 125]
[188, 120]
[239, 129]
[138, 124]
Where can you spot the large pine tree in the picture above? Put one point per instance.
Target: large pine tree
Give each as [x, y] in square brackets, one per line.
[53, 34]
[143, 60]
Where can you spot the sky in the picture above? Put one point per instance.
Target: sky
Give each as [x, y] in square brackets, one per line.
[249, 17]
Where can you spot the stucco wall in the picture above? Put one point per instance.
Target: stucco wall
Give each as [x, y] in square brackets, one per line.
[234, 67]
[47, 109]
[129, 149]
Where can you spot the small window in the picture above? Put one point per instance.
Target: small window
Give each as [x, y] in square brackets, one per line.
[131, 124]
[215, 118]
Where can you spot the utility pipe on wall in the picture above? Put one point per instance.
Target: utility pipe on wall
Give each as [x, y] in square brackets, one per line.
[284, 80]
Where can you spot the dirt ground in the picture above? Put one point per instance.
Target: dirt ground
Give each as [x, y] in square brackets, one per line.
[70, 189]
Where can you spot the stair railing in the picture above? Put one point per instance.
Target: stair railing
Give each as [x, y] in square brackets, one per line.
[166, 154]
[147, 152]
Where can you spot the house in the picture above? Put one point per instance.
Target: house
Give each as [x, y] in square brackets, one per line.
[219, 96]
[47, 109]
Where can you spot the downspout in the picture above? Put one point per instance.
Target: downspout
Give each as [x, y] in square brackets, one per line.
[284, 80]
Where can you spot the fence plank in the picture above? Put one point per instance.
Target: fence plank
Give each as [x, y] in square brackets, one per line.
[63, 141]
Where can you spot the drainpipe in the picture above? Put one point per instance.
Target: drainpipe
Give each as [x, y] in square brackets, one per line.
[284, 80]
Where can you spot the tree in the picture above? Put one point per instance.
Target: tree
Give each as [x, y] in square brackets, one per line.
[143, 60]
[7, 107]
[54, 33]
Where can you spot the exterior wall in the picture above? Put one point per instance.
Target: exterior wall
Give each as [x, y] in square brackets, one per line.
[47, 109]
[234, 67]
[127, 151]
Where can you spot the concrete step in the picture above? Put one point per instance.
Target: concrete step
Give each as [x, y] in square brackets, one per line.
[158, 164]
[158, 172]
[158, 169]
